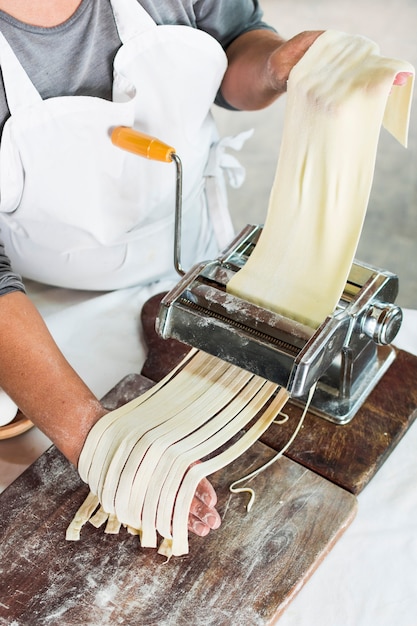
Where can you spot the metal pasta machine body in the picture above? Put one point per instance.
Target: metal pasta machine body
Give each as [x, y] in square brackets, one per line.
[346, 356]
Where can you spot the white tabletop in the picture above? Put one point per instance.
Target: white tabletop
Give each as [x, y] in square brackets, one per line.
[368, 579]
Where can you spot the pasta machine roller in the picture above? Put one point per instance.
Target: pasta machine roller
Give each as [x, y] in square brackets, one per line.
[346, 356]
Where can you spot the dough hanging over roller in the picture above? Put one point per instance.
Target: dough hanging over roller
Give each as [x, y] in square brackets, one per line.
[339, 94]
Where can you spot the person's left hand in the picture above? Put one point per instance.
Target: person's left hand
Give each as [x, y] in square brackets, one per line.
[203, 515]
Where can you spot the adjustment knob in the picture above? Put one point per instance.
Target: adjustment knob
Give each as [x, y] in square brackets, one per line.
[382, 322]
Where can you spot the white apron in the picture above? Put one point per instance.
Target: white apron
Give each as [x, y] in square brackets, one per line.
[78, 212]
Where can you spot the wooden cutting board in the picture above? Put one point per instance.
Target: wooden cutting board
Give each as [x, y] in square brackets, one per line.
[244, 573]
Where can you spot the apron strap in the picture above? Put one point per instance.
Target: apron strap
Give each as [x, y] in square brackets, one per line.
[131, 19]
[19, 89]
[219, 164]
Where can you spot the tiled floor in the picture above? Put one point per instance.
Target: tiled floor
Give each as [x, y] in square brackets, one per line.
[389, 237]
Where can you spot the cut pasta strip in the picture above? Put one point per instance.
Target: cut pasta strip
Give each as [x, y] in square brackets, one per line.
[235, 489]
[107, 420]
[195, 446]
[82, 516]
[192, 420]
[229, 422]
[99, 518]
[208, 415]
[134, 438]
[112, 526]
[99, 463]
[200, 470]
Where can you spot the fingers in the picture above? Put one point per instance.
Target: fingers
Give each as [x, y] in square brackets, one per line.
[206, 493]
[203, 517]
[401, 78]
[289, 53]
[202, 523]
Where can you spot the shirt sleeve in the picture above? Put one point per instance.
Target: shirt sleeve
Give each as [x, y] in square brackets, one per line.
[225, 20]
[9, 280]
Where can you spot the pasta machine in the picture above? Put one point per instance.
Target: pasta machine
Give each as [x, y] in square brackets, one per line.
[346, 356]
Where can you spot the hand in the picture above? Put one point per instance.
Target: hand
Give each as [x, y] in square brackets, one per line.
[203, 516]
[401, 78]
[287, 55]
[259, 63]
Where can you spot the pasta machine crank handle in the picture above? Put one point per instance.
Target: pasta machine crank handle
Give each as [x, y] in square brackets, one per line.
[152, 148]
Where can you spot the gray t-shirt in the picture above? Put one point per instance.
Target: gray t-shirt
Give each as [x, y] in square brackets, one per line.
[76, 57]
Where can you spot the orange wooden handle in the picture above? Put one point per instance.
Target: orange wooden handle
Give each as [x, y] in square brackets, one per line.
[139, 143]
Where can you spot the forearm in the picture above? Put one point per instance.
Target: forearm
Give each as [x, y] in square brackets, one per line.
[260, 62]
[39, 379]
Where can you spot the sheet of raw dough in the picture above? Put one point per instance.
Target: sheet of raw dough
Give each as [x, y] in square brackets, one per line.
[338, 96]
